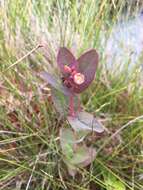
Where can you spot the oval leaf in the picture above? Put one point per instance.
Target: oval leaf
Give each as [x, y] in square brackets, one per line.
[83, 156]
[68, 141]
[76, 155]
[85, 122]
[65, 57]
[87, 64]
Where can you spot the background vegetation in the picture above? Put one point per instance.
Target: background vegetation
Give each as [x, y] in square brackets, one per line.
[30, 153]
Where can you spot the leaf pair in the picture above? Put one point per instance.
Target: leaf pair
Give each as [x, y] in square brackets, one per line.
[86, 64]
[75, 155]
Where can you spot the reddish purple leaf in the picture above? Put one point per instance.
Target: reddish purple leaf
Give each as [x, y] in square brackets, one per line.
[65, 57]
[87, 64]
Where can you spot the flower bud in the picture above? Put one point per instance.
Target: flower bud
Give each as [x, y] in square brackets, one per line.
[67, 69]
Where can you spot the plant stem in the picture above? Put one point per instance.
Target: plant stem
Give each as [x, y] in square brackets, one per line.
[71, 106]
[79, 104]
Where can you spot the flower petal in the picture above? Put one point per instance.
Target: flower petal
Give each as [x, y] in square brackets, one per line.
[65, 57]
[87, 64]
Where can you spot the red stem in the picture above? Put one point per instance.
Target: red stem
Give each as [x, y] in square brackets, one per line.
[79, 104]
[71, 106]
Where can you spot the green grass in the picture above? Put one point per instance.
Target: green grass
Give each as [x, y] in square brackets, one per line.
[30, 152]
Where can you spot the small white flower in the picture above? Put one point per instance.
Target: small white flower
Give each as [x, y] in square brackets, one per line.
[79, 78]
